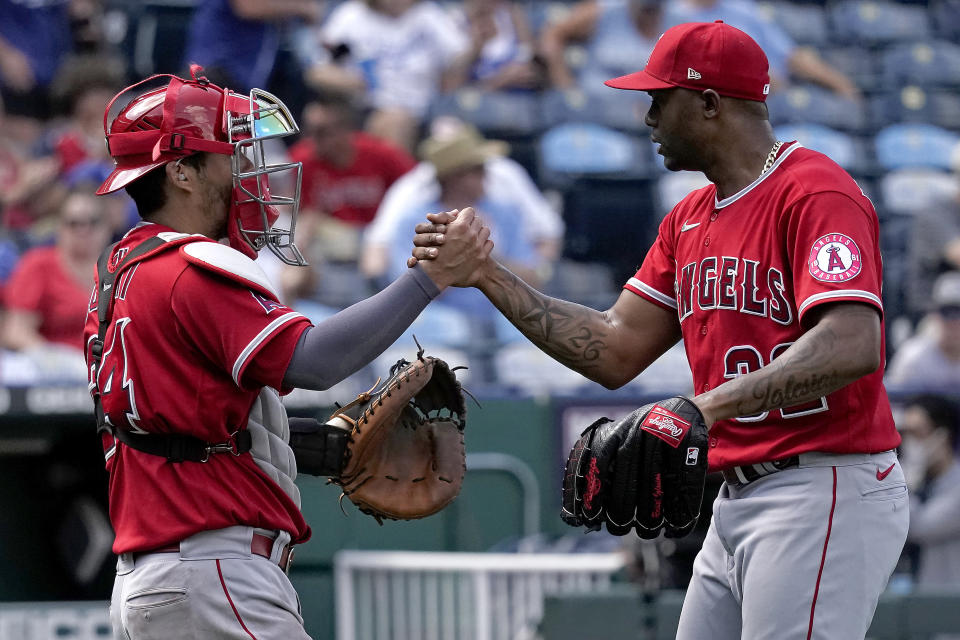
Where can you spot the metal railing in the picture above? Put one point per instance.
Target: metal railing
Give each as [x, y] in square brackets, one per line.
[456, 596]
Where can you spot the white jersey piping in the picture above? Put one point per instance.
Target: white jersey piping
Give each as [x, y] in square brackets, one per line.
[270, 328]
[843, 293]
[653, 293]
[720, 204]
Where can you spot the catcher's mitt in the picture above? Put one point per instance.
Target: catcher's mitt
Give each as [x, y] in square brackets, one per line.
[646, 471]
[405, 457]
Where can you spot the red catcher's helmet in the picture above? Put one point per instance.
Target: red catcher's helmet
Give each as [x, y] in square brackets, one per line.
[191, 116]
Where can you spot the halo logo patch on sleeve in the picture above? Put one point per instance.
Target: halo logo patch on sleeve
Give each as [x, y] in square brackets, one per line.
[835, 258]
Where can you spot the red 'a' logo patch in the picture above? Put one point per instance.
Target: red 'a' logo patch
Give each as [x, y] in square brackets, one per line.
[834, 257]
[268, 305]
[665, 425]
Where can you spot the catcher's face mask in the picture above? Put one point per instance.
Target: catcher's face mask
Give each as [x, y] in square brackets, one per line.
[254, 213]
[190, 116]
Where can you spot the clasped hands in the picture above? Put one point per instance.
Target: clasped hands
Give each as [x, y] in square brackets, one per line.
[452, 248]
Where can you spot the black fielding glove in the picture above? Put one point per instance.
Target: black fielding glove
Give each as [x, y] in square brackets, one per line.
[645, 472]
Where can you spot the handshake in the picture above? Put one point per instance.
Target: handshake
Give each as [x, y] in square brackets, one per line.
[452, 248]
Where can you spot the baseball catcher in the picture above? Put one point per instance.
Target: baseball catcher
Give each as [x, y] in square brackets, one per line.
[189, 351]
[397, 452]
[645, 472]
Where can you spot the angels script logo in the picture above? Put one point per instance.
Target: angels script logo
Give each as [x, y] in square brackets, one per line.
[593, 484]
[665, 425]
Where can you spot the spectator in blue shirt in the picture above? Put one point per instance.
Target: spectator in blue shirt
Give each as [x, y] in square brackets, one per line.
[238, 40]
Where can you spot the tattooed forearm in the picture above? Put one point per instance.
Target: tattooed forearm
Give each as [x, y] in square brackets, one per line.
[773, 394]
[810, 375]
[570, 333]
[830, 356]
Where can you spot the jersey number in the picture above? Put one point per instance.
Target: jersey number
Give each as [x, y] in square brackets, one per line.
[743, 359]
[113, 377]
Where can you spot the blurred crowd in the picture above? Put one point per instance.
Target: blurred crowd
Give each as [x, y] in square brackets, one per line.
[413, 106]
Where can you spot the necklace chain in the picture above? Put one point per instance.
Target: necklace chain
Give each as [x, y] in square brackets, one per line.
[771, 157]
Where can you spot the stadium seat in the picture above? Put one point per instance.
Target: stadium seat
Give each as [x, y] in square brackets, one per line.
[899, 146]
[863, 69]
[588, 283]
[945, 15]
[926, 64]
[672, 187]
[498, 113]
[805, 23]
[907, 191]
[541, 13]
[668, 374]
[914, 104]
[610, 221]
[622, 110]
[812, 104]
[576, 149]
[876, 22]
[842, 148]
[408, 351]
[157, 36]
[438, 325]
[525, 367]
[340, 285]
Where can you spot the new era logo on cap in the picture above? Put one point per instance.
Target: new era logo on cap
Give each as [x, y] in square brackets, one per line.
[665, 425]
[693, 74]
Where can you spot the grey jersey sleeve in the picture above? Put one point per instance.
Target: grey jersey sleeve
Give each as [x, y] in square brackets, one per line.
[342, 344]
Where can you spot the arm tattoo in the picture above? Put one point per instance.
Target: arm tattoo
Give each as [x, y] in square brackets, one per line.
[813, 371]
[571, 334]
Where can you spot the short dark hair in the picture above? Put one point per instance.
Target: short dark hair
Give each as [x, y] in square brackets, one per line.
[149, 191]
[344, 105]
[755, 109]
[943, 411]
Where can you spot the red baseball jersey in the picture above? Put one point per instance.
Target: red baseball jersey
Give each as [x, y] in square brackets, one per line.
[743, 274]
[187, 352]
[353, 192]
[41, 284]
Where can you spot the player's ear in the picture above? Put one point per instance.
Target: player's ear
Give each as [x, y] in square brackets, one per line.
[183, 177]
[711, 103]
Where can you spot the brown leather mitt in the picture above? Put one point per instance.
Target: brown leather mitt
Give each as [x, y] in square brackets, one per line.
[405, 457]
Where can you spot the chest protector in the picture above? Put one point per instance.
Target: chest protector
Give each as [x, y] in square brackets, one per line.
[267, 433]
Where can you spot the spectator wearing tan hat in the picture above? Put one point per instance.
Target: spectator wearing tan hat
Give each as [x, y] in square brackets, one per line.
[459, 162]
[931, 358]
[459, 165]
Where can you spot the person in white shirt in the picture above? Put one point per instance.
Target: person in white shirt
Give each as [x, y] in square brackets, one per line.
[505, 181]
[931, 358]
[395, 52]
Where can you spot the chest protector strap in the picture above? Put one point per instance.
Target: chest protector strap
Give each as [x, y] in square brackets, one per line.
[173, 447]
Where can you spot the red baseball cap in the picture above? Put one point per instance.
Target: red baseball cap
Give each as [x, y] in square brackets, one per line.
[703, 55]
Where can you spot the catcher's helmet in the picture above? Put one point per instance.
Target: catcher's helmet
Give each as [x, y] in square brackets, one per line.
[190, 116]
